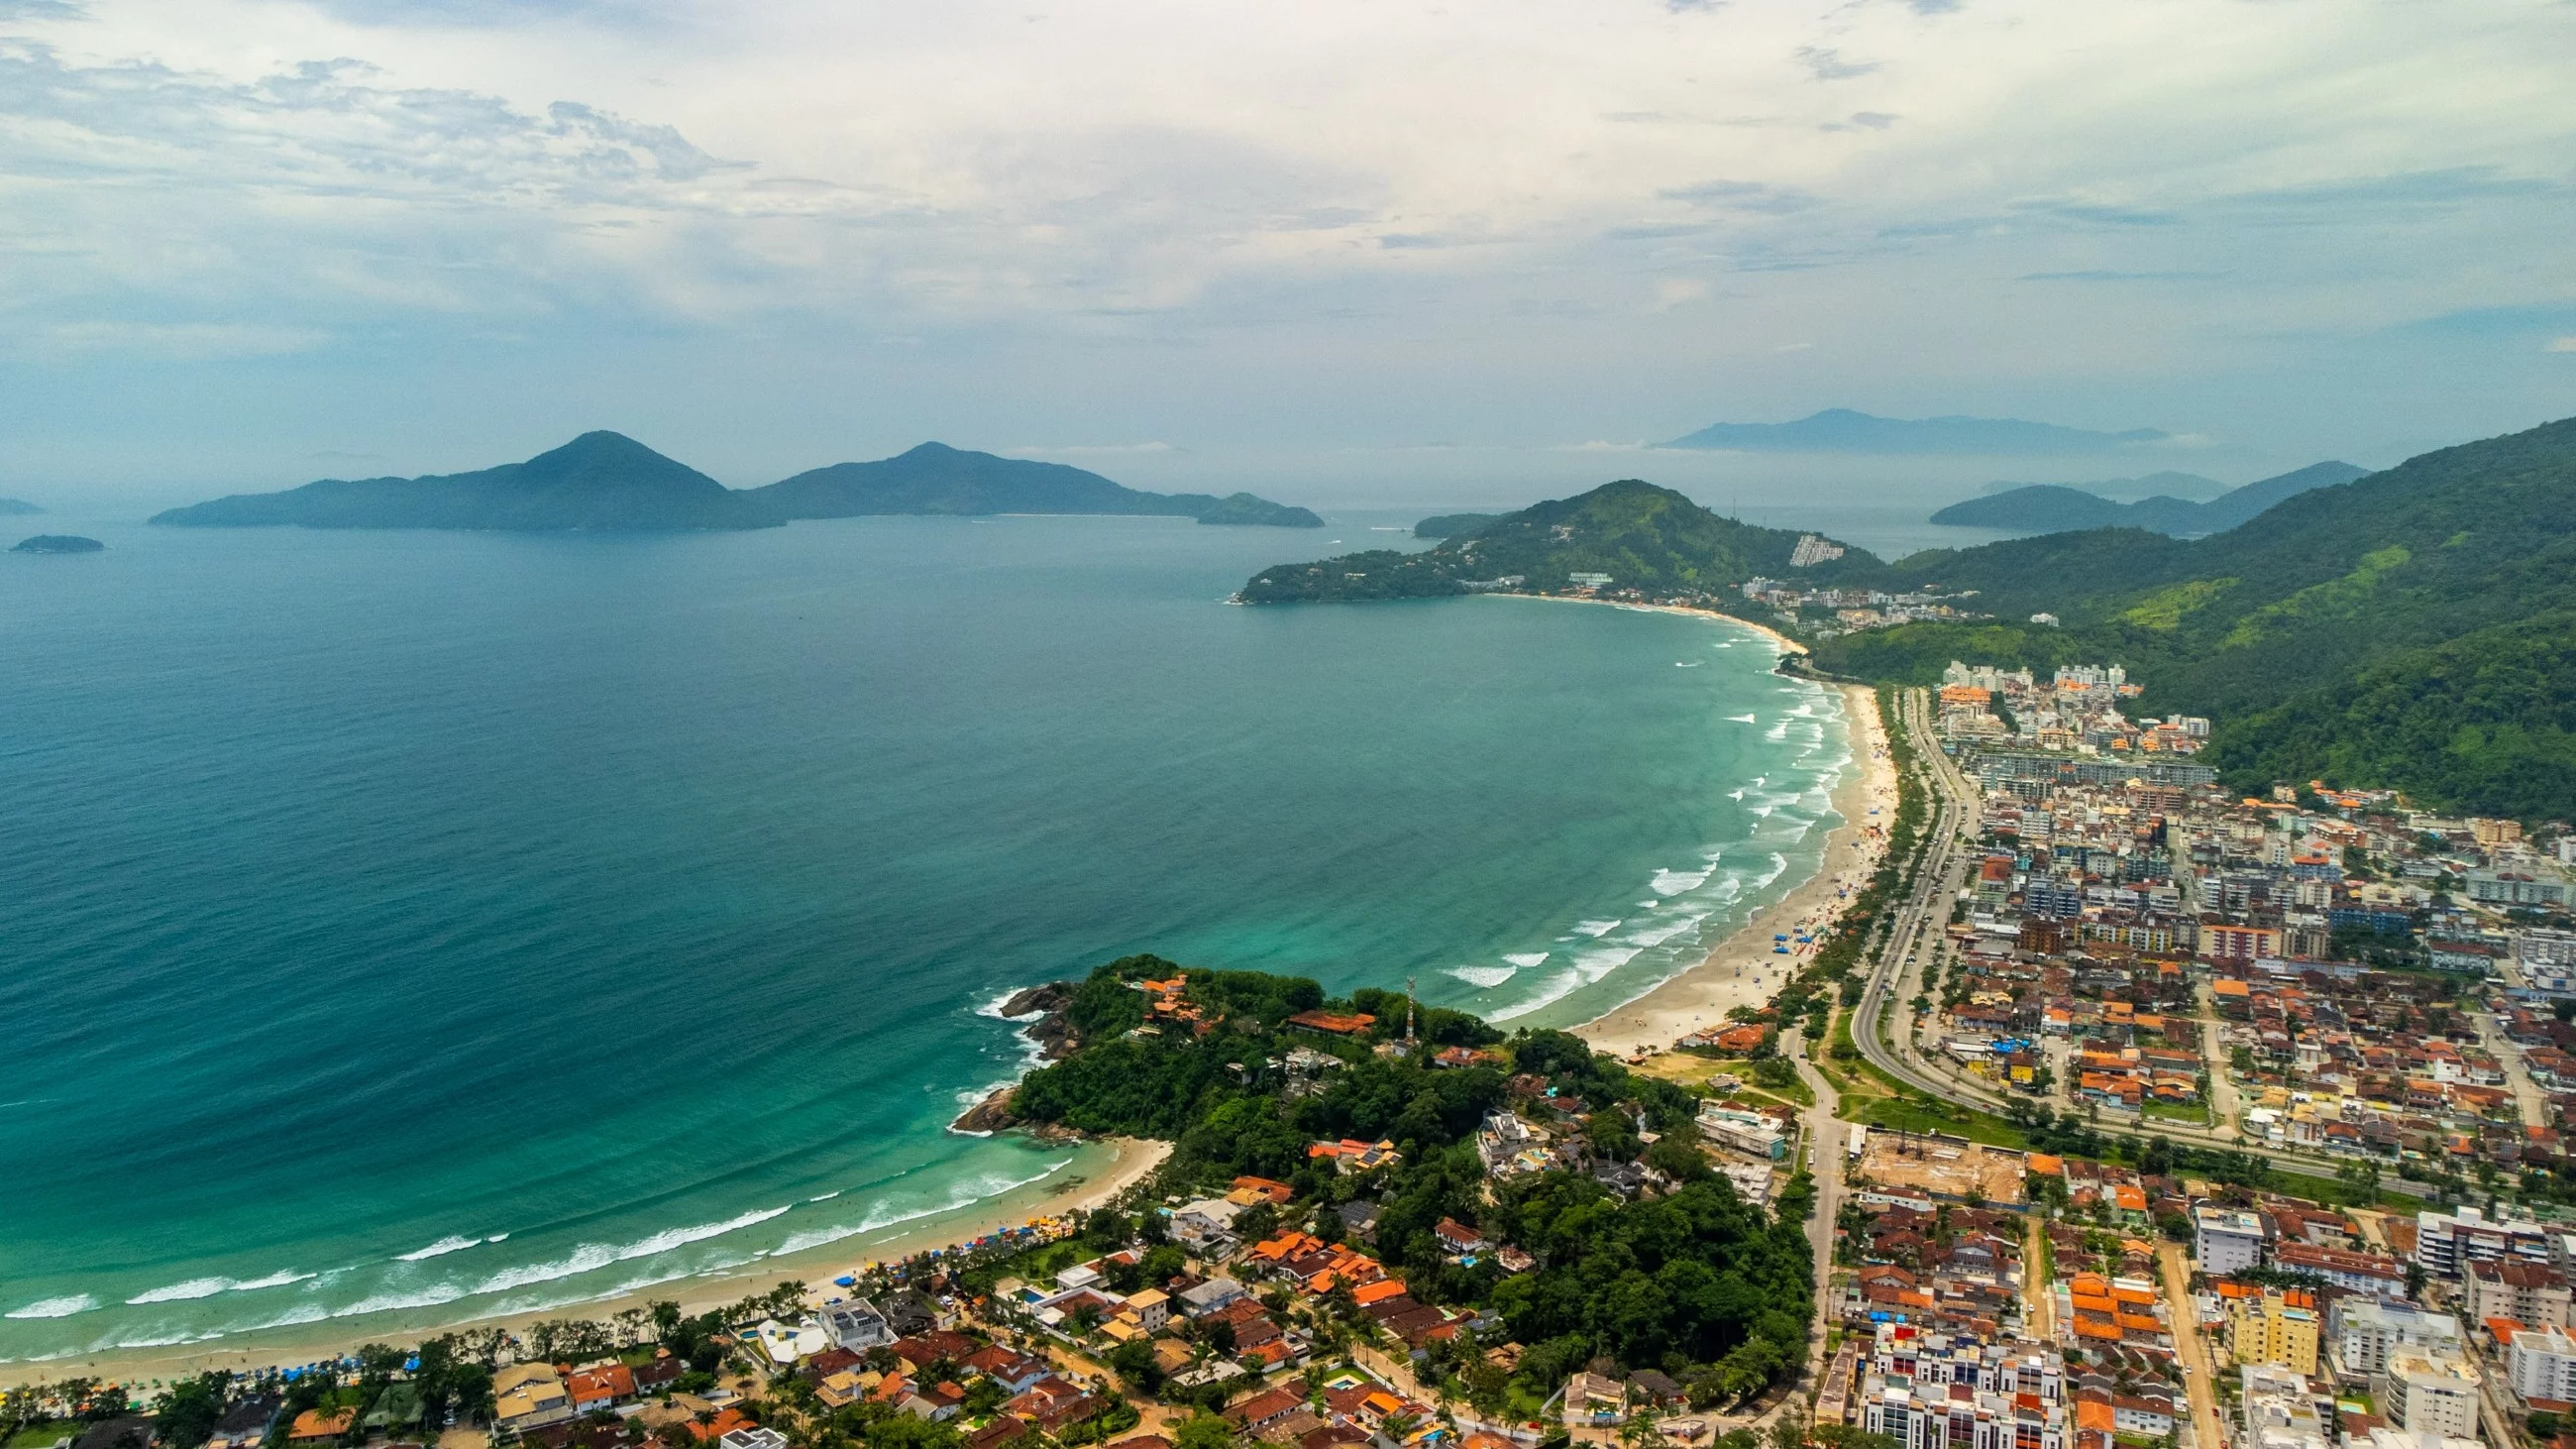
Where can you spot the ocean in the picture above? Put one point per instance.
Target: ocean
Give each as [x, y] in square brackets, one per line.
[403, 928]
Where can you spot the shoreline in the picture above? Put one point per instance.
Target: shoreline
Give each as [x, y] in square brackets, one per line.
[1739, 969]
[1084, 1185]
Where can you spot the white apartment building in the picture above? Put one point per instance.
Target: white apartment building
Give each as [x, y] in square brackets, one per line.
[2226, 1240]
[2542, 1363]
[2526, 1293]
[1932, 1390]
[2280, 1410]
[2425, 1394]
[2366, 1331]
[2444, 1241]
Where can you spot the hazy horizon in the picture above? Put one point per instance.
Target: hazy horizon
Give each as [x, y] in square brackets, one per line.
[1344, 255]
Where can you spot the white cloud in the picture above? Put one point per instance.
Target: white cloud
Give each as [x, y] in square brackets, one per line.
[1171, 210]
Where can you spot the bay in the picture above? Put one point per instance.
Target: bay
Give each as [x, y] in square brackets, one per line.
[401, 928]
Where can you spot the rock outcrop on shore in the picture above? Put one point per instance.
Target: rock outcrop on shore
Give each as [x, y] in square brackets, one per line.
[1052, 1030]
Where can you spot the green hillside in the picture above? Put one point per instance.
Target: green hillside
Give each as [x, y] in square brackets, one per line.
[2406, 629]
[1644, 537]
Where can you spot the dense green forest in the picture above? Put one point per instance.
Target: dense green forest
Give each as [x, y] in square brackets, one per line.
[1693, 1280]
[2407, 629]
[1642, 536]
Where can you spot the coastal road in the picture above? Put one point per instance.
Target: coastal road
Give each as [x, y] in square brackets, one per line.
[1825, 1162]
[2207, 1431]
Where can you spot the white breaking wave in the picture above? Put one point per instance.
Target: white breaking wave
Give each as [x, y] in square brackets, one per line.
[1596, 929]
[1741, 718]
[384, 1302]
[826, 1197]
[590, 1257]
[1484, 978]
[1674, 882]
[972, 1191]
[1558, 987]
[54, 1307]
[1600, 962]
[209, 1287]
[440, 1249]
[1658, 935]
[178, 1292]
[1525, 958]
[993, 1008]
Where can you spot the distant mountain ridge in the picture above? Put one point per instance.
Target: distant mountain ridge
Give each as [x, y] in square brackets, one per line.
[1841, 430]
[17, 507]
[2060, 508]
[1639, 535]
[608, 482]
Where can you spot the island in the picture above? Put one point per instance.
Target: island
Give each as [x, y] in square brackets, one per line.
[2062, 508]
[598, 482]
[17, 507]
[58, 543]
[608, 482]
[937, 479]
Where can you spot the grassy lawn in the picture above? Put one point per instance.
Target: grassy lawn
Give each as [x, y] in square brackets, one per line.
[41, 1436]
[2193, 1114]
[1917, 1115]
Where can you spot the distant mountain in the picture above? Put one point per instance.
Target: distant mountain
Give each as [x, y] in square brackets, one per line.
[2410, 628]
[58, 543]
[17, 507]
[1642, 536]
[1840, 430]
[937, 479]
[2230, 509]
[601, 482]
[2060, 508]
[1452, 525]
[2168, 484]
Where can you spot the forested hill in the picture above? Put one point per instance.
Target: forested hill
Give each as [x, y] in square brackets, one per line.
[1669, 1270]
[1645, 538]
[937, 479]
[2412, 629]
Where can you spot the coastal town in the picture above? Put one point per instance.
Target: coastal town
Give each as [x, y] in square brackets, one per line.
[2101, 1108]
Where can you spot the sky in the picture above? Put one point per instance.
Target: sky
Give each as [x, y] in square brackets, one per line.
[1339, 251]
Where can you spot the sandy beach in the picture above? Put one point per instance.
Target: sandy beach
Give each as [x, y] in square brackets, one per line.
[1742, 970]
[1105, 1169]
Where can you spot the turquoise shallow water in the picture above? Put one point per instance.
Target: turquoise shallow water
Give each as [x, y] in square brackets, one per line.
[404, 928]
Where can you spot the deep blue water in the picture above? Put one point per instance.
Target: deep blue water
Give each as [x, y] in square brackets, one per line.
[367, 897]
